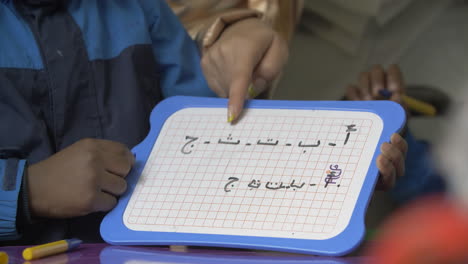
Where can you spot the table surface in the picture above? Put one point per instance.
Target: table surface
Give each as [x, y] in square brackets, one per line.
[103, 253]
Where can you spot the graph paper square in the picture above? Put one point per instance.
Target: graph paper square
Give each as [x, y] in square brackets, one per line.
[276, 173]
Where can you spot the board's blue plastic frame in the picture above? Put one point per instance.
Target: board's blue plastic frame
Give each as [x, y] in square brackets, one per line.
[125, 254]
[114, 231]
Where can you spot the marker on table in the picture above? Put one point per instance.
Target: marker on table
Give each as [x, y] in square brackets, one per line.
[3, 257]
[51, 249]
[413, 104]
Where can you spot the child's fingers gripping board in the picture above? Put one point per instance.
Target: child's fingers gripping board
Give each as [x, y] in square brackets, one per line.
[289, 176]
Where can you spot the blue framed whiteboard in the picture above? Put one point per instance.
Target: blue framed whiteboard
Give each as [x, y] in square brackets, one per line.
[293, 176]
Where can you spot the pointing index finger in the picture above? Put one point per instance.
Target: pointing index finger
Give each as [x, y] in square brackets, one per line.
[237, 95]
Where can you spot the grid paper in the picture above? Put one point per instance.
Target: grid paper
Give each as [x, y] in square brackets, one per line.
[276, 173]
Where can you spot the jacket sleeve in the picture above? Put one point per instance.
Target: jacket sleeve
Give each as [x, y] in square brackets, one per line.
[176, 53]
[421, 176]
[11, 179]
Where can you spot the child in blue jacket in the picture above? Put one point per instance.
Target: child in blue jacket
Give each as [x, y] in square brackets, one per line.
[78, 80]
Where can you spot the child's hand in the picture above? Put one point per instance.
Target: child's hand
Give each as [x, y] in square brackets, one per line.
[85, 177]
[371, 83]
[247, 53]
[391, 162]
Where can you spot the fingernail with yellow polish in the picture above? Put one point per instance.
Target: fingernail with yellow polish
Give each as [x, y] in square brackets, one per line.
[231, 115]
[252, 92]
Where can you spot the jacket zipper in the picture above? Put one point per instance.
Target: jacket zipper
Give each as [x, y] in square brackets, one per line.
[46, 72]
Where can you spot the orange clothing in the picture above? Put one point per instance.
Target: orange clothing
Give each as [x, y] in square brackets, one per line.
[205, 20]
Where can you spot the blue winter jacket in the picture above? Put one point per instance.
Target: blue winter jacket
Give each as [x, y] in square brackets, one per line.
[81, 69]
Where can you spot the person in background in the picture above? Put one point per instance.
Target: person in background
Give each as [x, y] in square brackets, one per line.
[410, 167]
[244, 43]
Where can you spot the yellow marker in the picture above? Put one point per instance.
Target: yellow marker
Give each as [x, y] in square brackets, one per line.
[413, 104]
[3, 257]
[50, 249]
[419, 106]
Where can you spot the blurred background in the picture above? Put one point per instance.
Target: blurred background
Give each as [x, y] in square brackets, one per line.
[338, 39]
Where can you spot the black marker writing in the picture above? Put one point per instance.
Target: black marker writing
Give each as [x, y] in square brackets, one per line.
[309, 146]
[269, 142]
[230, 183]
[350, 128]
[188, 146]
[191, 140]
[254, 184]
[229, 142]
[276, 187]
[296, 186]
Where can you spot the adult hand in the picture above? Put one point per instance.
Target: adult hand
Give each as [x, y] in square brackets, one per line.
[246, 59]
[85, 177]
